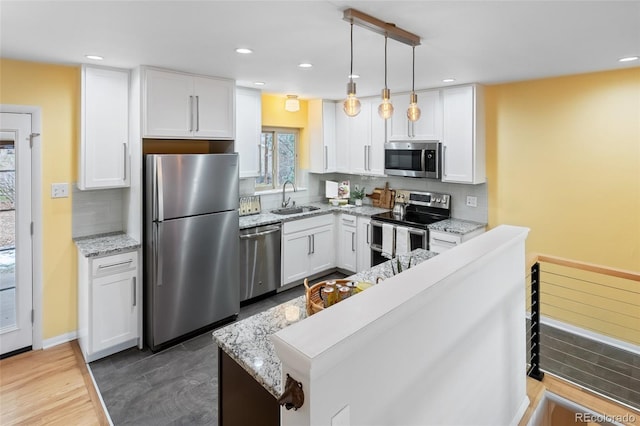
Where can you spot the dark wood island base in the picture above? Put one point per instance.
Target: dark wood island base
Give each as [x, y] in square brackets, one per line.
[242, 400]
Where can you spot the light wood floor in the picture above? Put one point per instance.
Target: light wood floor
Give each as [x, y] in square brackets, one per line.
[51, 387]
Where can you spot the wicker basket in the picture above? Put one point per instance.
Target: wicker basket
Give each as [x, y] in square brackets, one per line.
[314, 302]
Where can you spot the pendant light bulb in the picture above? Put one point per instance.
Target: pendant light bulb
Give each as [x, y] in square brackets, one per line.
[385, 109]
[413, 112]
[351, 105]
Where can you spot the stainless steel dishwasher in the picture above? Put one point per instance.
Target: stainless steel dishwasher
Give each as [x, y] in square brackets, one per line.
[259, 260]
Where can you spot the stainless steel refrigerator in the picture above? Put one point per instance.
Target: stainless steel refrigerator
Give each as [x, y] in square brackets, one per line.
[191, 244]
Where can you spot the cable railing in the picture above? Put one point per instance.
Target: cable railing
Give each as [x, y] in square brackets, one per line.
[583, 325]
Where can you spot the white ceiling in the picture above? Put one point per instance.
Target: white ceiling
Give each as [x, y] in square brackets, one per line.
[471, 41]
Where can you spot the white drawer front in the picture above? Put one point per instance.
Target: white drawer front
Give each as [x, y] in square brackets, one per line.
[115, 264]
[444, 238]
[308, 223]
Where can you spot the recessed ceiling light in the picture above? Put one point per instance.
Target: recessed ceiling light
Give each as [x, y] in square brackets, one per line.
[354, 76]
[243, 50]
[94, 57]
[305, 65]
[259, 83]
[628, 59]
[448, 80]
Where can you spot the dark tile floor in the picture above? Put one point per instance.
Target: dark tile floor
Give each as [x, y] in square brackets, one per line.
[177, 386]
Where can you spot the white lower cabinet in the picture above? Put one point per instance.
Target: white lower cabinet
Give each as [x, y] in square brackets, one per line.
[307, 247]
[347, 242]
[441, 241]
[109, 304]
[363, 261]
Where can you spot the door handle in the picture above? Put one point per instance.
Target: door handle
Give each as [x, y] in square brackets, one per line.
[444, 158]
[259, 234]
[160, 199]
[133, 282]
[158, 254]
[124, 149]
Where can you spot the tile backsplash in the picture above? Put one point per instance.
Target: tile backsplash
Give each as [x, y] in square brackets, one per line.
[97, 212]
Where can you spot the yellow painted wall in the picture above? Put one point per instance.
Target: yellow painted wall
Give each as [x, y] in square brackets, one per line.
[274, 115]
[563, 158]
[55, 89]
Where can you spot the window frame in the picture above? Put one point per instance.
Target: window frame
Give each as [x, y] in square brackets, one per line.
[276, 130]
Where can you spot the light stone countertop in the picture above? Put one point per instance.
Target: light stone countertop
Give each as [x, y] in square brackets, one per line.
[267, 218]
[456, 226]
[248, 341]
[105, 244]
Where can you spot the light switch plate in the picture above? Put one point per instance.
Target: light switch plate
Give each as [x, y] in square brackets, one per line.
[59, 190]
[472, 201]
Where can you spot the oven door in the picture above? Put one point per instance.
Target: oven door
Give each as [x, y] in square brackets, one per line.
[404, 159]
[419, 238]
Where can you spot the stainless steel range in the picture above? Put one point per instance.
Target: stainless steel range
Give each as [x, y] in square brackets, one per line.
[405, 229]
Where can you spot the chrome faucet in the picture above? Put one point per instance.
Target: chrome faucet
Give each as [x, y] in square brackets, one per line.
[286, 203]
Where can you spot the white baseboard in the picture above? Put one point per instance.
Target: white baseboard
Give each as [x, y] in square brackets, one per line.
[58, 340]
[592, 335]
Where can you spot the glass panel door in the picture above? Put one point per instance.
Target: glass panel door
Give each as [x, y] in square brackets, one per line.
[7, 231]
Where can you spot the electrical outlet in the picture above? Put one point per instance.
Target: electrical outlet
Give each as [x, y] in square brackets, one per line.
[472, 201]
[59, 190]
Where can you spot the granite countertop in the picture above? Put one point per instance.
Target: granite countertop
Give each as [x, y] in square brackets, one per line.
[266, 217]
[456, 226]
[104, 244]
[248, 341]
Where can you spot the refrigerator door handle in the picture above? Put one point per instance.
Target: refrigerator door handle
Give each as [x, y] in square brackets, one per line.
[158, 182]
[157, 253]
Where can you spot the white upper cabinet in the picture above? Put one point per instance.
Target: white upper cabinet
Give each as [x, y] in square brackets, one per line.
[359, 139]
[322, 136]
[463, 134]
[248, 130]
[428, 127]
[342, 139]
[178, 105]
[104, 128]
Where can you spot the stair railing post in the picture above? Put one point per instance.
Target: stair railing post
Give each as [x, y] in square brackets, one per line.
[534, 370]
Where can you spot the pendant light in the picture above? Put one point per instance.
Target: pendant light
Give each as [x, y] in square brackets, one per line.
[385, 109]
[413, 112]
[351, 105]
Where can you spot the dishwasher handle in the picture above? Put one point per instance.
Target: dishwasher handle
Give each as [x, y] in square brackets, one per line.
[259, 234]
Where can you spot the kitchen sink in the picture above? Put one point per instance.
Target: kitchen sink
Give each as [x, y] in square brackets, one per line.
[294, 210]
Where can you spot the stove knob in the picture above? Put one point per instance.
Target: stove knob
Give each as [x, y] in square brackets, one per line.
[437, 200]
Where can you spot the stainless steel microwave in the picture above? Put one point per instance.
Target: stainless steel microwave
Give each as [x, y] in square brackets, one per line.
[413, 159]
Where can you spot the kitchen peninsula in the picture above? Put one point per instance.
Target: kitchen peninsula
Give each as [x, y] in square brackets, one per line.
[250, 376]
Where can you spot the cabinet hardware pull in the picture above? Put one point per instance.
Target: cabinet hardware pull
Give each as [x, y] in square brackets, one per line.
[368, 233]
[124, 149]
[353, 241]
[113, 265]
[313, 244]
[326, 157]
[197, 113]
[133, 280]
[308, 244]
[191, 113]
[445, 241]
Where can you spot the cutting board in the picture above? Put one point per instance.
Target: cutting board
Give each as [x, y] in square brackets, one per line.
[383, 197]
